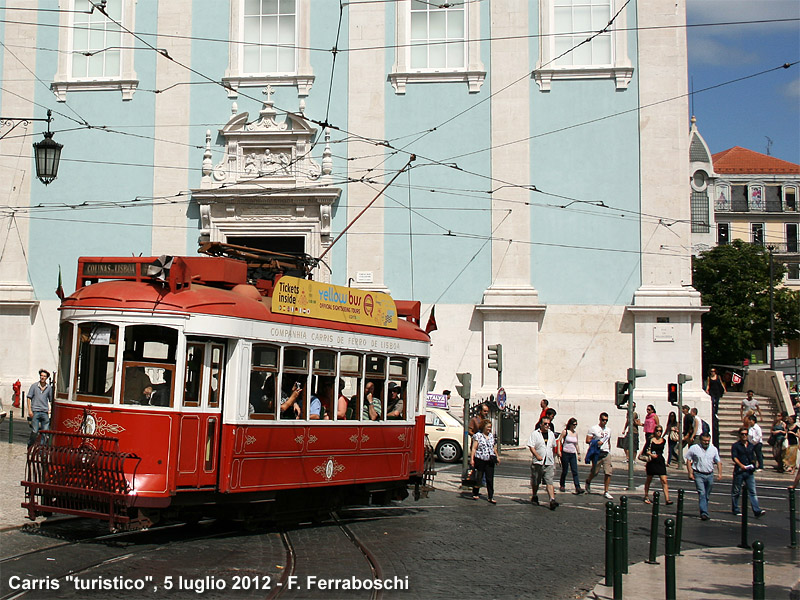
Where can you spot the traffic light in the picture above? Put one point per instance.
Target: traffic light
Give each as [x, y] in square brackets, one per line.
[431, 379]
[672, 393]
[495, 356]
[621, 393]
[466, 385]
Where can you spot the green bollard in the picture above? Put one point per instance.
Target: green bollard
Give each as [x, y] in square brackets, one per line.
[654, 530]
[669, 559]
[679, 523]
[11, 426]
[609, 544]
[623, 505]
[792, 519]
[743, 543]
[758, 571]
[618, 553]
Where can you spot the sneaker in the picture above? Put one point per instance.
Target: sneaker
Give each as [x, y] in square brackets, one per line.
[535, 500]
[760, 513]
[608, 496]
[704, 517]
[562, 489]
[736, 513]
[553, 504]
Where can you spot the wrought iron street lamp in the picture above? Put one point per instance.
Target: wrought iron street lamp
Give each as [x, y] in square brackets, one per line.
[47, 152]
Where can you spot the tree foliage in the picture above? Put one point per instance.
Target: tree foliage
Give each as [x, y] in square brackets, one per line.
[734, 282]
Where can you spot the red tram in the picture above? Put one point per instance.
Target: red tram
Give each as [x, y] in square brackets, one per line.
[228, 385]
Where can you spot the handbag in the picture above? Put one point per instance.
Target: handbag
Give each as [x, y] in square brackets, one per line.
[470, 477]
[645, 458]
[673, 436]
[621, 442]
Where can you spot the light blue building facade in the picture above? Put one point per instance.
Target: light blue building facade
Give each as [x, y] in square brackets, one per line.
[544, 208]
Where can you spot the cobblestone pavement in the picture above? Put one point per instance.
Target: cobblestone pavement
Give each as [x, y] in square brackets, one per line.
[447, 545]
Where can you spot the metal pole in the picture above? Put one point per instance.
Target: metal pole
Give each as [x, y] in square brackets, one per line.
[679, 524]
[500, 416]
[609, 544]
[669, 559]
[758, 571]
[680, 425]
[11, 426]
[631, 428]
[618, 567]
[654, 530]
[792, 519]
[465, 452]
[771, 313]
[743, 543]
[623, 505]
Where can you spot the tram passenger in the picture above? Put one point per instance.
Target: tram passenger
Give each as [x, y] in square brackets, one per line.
[342, 403]
[395, 406]
[320, 405]
[373, 407]
[152, 397]
[291, 397]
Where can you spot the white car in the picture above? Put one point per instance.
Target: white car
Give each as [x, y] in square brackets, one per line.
[445, 432]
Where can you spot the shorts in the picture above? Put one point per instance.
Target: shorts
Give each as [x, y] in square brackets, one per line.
[542, 473]
[605, 464]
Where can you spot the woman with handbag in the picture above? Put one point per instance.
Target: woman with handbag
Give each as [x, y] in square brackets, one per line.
[483, 457]
[569, 455]
[674, 437]
[653, 455]
[776, 438]
[790, 452]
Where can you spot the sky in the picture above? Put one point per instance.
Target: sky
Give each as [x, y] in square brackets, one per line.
[748, 112]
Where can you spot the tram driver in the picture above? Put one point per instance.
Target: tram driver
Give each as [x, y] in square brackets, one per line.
[136, 380]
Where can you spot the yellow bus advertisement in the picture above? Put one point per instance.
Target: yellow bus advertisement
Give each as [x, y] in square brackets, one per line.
[306, 298]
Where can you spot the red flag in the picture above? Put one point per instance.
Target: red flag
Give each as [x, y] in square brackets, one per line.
[431, 326]
[60, 288]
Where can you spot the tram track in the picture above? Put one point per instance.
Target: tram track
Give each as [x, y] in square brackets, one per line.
[284, 584]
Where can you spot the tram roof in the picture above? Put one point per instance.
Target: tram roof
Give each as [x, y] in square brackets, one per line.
[243, 301]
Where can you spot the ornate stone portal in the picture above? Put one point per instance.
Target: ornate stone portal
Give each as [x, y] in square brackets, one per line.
[267, 184]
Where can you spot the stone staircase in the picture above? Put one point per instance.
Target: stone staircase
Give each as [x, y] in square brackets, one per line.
[729, 421]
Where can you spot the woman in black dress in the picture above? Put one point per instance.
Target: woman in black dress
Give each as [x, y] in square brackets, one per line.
[654, 449]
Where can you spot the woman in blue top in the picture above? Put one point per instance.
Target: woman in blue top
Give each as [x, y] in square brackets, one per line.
[483, 457]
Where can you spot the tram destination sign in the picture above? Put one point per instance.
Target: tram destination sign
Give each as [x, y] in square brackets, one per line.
[109, 269]
[306, 298]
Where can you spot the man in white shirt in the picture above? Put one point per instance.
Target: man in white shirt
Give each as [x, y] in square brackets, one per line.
[700, 462]
[541, 444]
[755, 438]
[749, 406]
[600, 434]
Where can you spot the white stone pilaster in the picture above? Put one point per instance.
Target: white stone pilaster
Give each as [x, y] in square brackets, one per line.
[172, 131]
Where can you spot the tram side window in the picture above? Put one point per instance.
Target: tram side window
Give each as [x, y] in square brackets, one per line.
[97, 354]
[217, 353]
[374, 388]
[349, 392]
[193, 380]
[263, 382]
[294, 384]
[324, 384]
[148, 362]
[398, 389]
[64, 360]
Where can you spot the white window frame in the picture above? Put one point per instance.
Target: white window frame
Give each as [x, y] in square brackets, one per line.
[750, 189]
[64, 82]
[785, 189]
[753, 234]
[473, 73]
[719, 188]
[302, 78]
[620, 69]
[796, 241]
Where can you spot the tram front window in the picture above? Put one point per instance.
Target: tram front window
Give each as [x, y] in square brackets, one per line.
[65, 360]
[148, 363]
[97, 352]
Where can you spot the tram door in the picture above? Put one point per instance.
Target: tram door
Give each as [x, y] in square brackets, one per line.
[201, 414]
